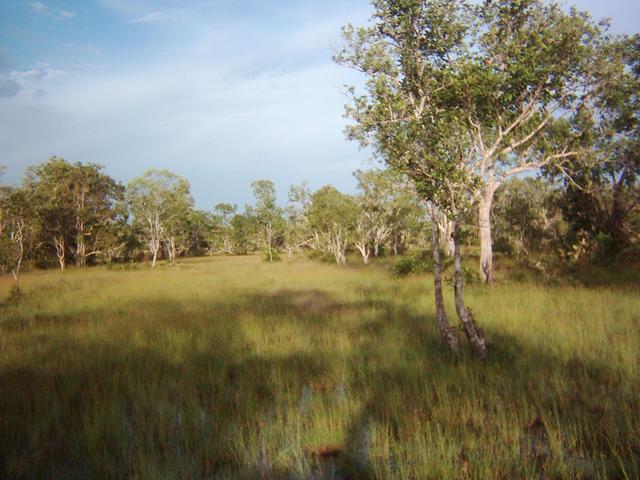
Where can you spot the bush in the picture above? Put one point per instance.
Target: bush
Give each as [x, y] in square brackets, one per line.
[275, 257]
[420, 264]
[405, 267]
[470, 275]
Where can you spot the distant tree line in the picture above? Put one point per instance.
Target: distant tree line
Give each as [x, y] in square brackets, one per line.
[73, 213]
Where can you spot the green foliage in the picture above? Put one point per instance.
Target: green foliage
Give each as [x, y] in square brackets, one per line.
[461, 95]
[332, 216]
[161, 204]
[419, 264]
[600, 202]
[271, 257]
[331, 209]
[220, 235]
[77, 207]
[268, 215]
[404, 267]
[16, 232]
[244, 231]
[527, 218]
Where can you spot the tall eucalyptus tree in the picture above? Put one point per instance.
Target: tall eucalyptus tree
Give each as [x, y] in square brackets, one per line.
[520, 73]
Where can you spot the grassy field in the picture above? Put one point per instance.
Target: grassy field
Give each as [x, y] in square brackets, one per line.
[235, 368]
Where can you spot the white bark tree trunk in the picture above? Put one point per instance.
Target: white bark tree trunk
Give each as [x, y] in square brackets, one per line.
[81, 249]
[484, 226]
[339, 246]
[448, 242]
[171, 248]
[156, 232]
[363, 248]
[441, 315]
[270, 241]
[226, 244]
[155, 254]
[475, 335]
[59, 243]
[17, 237]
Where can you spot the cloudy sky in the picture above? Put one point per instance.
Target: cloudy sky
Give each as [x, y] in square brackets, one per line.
[222, 92]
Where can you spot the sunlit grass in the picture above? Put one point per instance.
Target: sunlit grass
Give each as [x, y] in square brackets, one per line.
[236, 368]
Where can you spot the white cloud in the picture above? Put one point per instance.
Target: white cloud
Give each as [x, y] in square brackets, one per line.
[56, 14]
[151, 17]
[40, 8]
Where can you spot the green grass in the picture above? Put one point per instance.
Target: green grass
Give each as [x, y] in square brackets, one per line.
[235, 368]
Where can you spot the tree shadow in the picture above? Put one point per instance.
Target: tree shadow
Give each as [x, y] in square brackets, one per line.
[95, 407]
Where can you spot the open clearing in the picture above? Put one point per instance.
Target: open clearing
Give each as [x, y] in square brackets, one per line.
[229, 367]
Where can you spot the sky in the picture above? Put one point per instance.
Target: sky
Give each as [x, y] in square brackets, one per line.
[222, 92]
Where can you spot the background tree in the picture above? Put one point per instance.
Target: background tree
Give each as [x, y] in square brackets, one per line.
[332, 215]
[74, 206]
[373, 226]
[196, 234]
[297, 229]
[364, 228]
[222, 229]
[600, 201]
[405, 215]
[267, 214]
[527, 218]
[157, 200]
[94, 196]
[244, 228]
[50, 190]
[16, 220]
[118, 237]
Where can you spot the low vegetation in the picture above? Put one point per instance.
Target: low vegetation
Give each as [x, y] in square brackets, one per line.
[232, 367]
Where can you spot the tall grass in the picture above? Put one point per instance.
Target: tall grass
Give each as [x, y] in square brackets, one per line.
[236, 368]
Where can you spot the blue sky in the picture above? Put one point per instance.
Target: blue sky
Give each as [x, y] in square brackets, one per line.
[223, 92]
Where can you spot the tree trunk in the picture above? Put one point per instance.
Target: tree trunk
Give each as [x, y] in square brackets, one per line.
[441, 315]
[484, 224]
[474, 334]
[155, 255]
[448, 237]
[363, 248]
[16, 277]
[18, 265]
[171, 249]
[81, 246]
[80, 252]
[59, 243]
[269, 241]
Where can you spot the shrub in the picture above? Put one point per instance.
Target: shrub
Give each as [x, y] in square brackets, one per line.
[404, 267]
